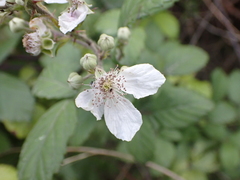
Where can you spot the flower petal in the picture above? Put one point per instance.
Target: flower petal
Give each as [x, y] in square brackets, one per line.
[88, 102]
[55, 1]
[141, 80]
[122, 118]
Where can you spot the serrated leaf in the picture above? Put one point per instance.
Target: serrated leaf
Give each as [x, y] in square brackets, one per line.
[45, 146]
[85, 124]
[219, 84]
[234, 86]
[223, 113]
[164, 152]
[52, 83]
[143, 143]
[108, 22]
[184, 59]
[8, 42]
[179, 107]
[16, 100]
[229, 156]
[131, 10]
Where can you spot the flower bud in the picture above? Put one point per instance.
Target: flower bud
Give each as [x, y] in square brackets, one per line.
[89, 61]
[106, 42]
[19, 2]
[47, 43]
[17, 24]
[123, 33]
[32, 43]
[75, 80]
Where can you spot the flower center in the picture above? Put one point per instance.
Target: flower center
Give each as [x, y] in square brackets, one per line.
[107, 86]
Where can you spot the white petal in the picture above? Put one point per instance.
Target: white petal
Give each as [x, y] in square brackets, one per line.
[87, 101]
[122, 118]
[55, 1]
[141, 80]
[2, 2]
[69, 20]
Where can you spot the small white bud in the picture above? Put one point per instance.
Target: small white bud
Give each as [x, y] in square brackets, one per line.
[32, 43]
[89, 61]
[106, 42]
[123, 33]
[75, 80]
[17, 24]
[19, 2]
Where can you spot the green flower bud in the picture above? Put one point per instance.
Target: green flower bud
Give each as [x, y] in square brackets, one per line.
[89, 61]
[47, 43]
[123, 33]
[17, 24]
[75, 80]
[106, 42]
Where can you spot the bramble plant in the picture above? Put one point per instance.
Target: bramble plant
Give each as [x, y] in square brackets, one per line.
[89, 64]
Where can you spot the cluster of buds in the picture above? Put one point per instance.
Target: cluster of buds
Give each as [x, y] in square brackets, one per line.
[39, 40]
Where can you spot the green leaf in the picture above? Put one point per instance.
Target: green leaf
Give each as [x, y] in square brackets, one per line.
[219, 84]
[234, 86]
[193, 174]
[108, 22]
[184, 59]
[179, 107]
[132, 10]
[143, 143]
[8, 42]
[85, 125]
[16, 100]
[229, 156]
[171, 134]
[168, 24]
[45, 146]
[164, 152]
[52, 83]
[8, 172]
[216, 131]
[223, 113]
[5, 142]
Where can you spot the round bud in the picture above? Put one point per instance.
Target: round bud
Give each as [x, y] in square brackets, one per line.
[106, 42]
[89, 61]
[123, 33]
[17, 24]
[74, 80]
[19, 2]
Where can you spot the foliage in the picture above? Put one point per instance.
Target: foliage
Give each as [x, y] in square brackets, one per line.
[189, 126]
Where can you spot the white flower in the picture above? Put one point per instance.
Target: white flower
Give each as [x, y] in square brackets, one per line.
[106, 97]
[55, 1]
[74, 16]
[38, 25]
[32, 43]
[2, 2]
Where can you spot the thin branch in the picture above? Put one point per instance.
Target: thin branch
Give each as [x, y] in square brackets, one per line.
[76, 158]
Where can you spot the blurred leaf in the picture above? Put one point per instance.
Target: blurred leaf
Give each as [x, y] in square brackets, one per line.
[229, 155]
[184, 59]
[21, 129]
[8, 172]
[85, 125]
[142, 145]
[8, 42]
[215, 131]
[45, 146]
[132, 10]
[5, 142]
[234, 86]
[206, 162]
[52, 83]
[181, 162]
[179, 107]
[171, 134]
[194, 175]
[134, 47]
[235, 139]
[223, 113]
[219, 84]
[168, 24]
[16, 100]
[164, 152]
[199, 147]
[108, 22]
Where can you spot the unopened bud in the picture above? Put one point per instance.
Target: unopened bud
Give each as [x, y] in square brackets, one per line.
[75, 80]
[123, 33]
[19, 2]
[89, 61]
[17, 24]
[47, 43]
[32, 43]
[106, 42]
